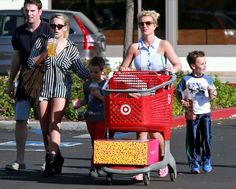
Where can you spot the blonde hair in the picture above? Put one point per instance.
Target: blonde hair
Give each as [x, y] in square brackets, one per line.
[65, 19]
[155, 16]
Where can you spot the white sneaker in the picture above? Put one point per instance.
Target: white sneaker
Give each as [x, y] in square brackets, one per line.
[43, 166]
[15, 166]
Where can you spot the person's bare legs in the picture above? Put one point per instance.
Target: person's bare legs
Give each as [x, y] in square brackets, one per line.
[21, 133]
[54, 159]
[160, 138]
[156, 135]
[51, 113]
[44, 119]
[142, 135]
[57, 112]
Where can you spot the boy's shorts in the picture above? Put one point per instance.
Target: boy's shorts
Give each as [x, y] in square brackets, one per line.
[22, 109]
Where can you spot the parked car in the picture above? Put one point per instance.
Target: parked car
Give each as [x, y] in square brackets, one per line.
[90, 41]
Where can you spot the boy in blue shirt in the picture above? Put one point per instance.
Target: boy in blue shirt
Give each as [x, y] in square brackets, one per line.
[194, 92]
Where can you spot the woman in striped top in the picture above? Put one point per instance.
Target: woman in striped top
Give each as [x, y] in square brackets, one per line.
[56, 87]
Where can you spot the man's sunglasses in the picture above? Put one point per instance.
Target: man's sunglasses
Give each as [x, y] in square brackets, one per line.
[54, 26]
[148, 23]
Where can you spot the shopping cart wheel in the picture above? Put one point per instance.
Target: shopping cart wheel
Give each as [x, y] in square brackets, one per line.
[172, 176]
[146, 178]
[109, 178]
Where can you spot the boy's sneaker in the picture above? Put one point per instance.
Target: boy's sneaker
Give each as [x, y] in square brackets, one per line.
[15, 166]
[207, 166]
[101, 173]
[43, 166]
[93, 172]
[195, 168]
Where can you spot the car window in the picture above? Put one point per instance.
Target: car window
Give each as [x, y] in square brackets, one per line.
[9, 23]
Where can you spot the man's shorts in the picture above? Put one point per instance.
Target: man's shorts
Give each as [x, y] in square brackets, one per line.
[22, 109]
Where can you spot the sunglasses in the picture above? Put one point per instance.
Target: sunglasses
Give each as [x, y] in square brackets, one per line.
[58, 26]
[148, 23]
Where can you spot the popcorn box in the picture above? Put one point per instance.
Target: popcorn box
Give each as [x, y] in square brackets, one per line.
[126, 152]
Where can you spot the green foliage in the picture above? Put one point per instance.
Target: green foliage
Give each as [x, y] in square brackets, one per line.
[76, 92]
[226, 98]
[6, 103]
[177, 108]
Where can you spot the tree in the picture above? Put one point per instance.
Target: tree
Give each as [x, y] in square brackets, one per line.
[128, 39]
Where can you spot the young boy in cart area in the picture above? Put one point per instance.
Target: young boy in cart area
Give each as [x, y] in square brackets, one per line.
[94, 99]
[194, 92]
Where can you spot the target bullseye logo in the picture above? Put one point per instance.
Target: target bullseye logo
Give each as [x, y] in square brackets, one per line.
[125, 109]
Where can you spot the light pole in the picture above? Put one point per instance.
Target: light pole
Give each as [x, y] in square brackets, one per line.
[139, 9]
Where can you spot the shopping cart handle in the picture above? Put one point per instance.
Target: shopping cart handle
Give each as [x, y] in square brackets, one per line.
[170, 81]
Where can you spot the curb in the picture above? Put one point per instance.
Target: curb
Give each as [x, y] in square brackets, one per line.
[215, 115]
[178, 121]
[77, 126]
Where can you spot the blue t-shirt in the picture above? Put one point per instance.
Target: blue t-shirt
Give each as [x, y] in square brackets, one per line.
[95, 106]
[196, 89]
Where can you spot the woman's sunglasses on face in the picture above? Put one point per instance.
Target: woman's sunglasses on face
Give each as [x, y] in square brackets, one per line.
[148, 23]
[58, 26]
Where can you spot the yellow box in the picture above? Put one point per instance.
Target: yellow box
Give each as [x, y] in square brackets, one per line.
[126, 152]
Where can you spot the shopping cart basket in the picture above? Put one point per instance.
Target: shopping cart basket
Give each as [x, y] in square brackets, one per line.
[140, 101]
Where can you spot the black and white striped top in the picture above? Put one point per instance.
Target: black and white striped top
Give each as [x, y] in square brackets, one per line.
[57, 79]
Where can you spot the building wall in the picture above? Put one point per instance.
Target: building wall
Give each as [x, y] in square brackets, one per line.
[17, 4]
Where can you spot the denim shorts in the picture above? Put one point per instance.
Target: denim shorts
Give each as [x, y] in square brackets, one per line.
[22, 109]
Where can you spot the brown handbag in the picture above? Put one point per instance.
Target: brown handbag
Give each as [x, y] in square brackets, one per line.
[30, 83]
[30, 80]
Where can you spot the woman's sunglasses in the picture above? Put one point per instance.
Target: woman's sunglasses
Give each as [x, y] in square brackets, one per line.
[148, 23]
[58, 26]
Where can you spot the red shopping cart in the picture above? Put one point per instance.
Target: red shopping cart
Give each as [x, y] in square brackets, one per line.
[140, 101]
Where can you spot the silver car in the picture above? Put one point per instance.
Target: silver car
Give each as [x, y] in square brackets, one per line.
[83, 32]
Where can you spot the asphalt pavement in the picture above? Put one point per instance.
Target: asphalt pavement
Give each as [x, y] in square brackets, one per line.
[77, 151]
